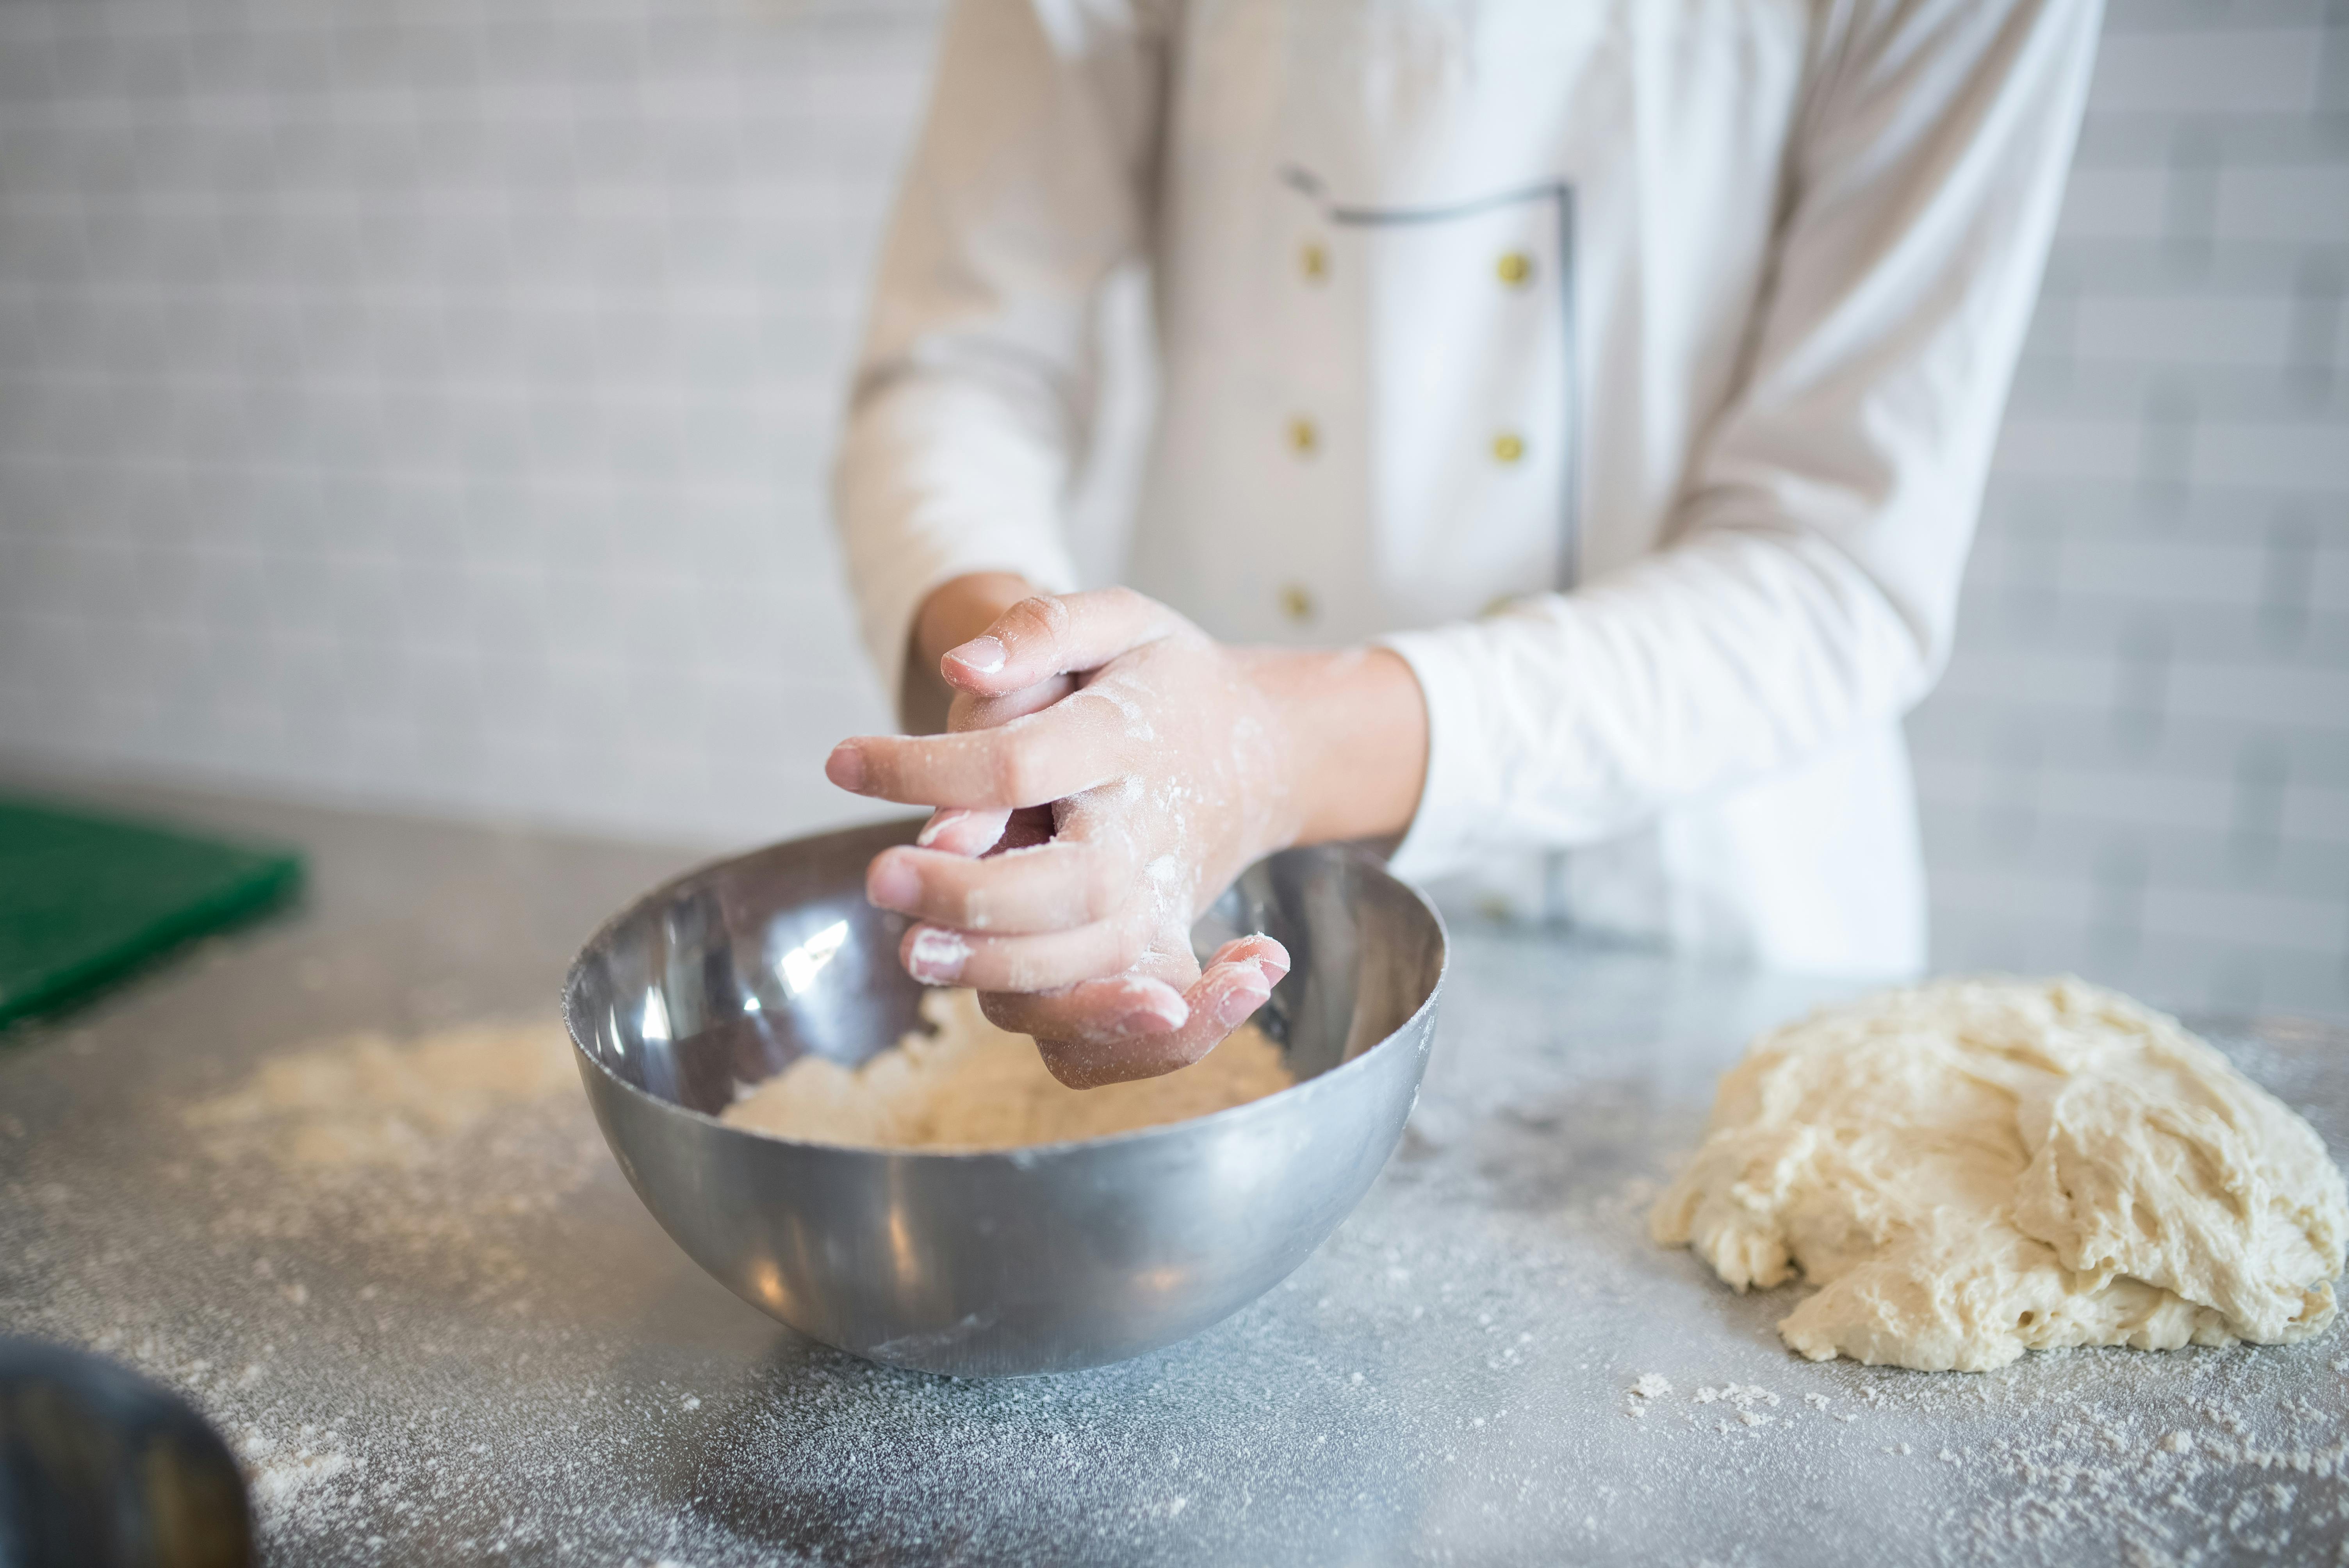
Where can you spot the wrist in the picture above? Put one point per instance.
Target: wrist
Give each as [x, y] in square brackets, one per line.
[1353, 740]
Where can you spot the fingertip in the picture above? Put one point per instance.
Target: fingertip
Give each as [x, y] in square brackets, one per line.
[1271, 958]
[892, 880]
[1150, 1007]
[846, 767]
[970, 664]
[1233, 997]
[1108, 1012]
[961, 831]
[1237, 1006]
[933, 955]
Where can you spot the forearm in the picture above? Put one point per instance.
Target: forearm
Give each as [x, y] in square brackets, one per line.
[1572, 718]
[1028, 186]
[1355, 740]
[1351, 724]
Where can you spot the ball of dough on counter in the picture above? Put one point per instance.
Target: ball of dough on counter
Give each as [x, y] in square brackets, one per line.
[1976, 1168]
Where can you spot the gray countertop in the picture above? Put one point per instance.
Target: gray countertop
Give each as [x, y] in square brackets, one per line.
[485, 1350]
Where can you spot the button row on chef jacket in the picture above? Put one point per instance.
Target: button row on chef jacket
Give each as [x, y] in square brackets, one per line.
[1305, 439]
[1515, 268]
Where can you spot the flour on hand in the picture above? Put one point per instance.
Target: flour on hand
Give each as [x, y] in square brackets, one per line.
[1976, 1168]
[972, 1086]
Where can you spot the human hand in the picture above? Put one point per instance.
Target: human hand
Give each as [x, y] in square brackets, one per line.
[1129, 766]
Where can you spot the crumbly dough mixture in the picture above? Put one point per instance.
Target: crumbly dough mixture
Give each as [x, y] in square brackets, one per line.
[972, 1086]
[1976, 1168]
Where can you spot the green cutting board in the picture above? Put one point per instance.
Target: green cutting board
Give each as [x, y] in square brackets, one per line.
[84, 899]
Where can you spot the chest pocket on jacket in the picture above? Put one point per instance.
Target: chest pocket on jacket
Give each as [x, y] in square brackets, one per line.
[1469, 412]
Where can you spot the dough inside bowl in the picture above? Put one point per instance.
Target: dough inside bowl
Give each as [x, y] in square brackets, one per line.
[1976, 1168]
[971, 1085]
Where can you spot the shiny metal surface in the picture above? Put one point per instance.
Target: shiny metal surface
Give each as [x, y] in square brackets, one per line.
[1034, 1260]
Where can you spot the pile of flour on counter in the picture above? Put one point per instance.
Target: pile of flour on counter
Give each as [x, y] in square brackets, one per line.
[369, 1100]
[1975, 1168]
[339, 1255]
[971, 1085]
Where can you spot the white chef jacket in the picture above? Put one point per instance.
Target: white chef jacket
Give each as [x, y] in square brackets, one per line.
[1631, 367]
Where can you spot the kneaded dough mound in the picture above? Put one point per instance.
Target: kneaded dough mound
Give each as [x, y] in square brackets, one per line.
[971, 1085]
[1977, 1168]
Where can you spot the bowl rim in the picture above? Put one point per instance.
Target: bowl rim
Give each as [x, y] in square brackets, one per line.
[1020, 1154]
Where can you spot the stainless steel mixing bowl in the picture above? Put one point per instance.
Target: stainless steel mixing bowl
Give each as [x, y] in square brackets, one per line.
[1031, 1260]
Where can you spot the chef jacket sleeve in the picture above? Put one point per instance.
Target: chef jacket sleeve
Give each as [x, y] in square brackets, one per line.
[1808, 586]
[970, 411]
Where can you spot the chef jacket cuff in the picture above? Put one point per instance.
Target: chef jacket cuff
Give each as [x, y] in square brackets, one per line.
[1453, 801]
[892, 599]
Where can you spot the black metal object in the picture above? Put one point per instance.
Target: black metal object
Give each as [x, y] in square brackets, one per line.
[101, 1469]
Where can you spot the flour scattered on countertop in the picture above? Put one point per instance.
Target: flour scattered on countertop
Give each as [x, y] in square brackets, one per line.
[1744, 1398]
[425, 1165]
[278, 1471]
[493, 1348]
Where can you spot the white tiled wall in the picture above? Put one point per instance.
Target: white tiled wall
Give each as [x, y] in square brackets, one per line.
[428, 404]
[2138, 765]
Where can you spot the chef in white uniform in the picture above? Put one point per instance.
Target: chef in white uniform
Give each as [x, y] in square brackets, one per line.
[1613, 381]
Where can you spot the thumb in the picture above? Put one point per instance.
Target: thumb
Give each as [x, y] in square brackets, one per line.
[1054, 635]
